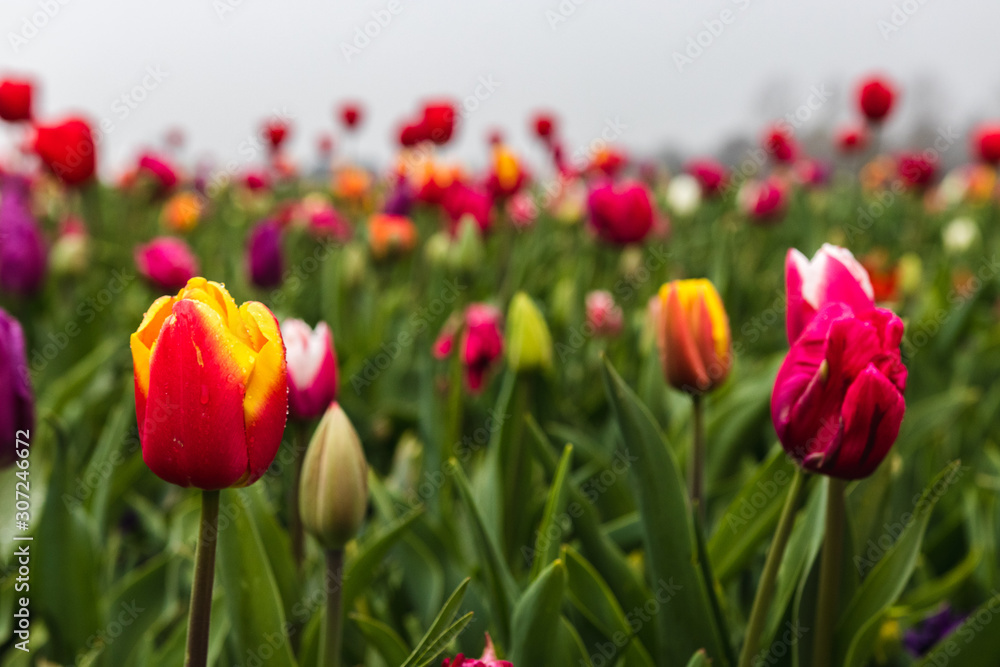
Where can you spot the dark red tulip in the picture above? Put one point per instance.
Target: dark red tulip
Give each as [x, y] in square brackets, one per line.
[780, 144]
[875, 98]
[916, 170]
[67, 149]
[711, 175]
[15, 100]
[621, 213]
[439, 122]
[351, 115]
[986, 142]
[412, 134]
[275, 132]
[852, 139]
[545, 126]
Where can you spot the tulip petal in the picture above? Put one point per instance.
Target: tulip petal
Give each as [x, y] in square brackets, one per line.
[682, 363]
[193, 430]
[142, 343]
[800, 312]
[266, 404]
[873, 411]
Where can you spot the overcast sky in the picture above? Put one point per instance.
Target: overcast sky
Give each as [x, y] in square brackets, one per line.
[217, 67]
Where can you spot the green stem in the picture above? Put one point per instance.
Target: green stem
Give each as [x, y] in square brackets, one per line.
[330, 656]
[765, 589]
[200, 613]
[295, 519]
[697, 476]
[829, 574]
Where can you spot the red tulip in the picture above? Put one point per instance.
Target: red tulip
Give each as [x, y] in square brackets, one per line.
[351, 115]
[15, 100]
[275, 132]
[161, 170]
[460, 200]
[852, 139]
[838, 398]
[67, 149]
[312, 368]
[916, 170]
[780, 144]
[412, 134]
[875, 98]
[256, 180]
[711, 175]
[211, 391]
[439, 122]
[488, 659]
[986, 142]
[621, 214]
[166, 262]
[544, 125]
[832, 275]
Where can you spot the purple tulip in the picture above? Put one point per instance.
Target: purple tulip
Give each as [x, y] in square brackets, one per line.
[264, 254]
[400, 200]
[920, 639]
[17, 406]
[23, 256]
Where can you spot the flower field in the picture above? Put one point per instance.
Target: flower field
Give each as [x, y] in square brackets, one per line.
[589, 412]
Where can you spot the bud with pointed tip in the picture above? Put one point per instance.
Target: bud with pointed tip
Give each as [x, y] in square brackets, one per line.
[333, 492]
[529, 343]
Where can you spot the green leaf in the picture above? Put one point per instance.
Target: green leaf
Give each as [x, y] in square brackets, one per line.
[383, 639]
[360, 570]
[593, 599]
[536, 618]
[751, 517]
[887, 579]
[699, 659]
[254, 604]
[549, 535]
[439, 628]
[975, 643]
[503, 590]
[277, 545]
[137, 602]
[685, 620]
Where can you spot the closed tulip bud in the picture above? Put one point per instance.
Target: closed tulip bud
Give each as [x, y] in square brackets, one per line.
[466, 252]
[693, 335]
[211, 392]
[17, 405]
[312, 368]
[529, 343]
[333, 492]
[15, 100]
[437, 250]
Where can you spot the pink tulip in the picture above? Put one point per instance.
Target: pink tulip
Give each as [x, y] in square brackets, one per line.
[604, 316]
[166, 262]
[838, 398]
[481, 344]
[159, 170]
[764, 202]
[488, 659]
[312, 368]
[833, 275]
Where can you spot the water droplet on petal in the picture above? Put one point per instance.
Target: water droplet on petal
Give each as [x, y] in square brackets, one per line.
[204, 394]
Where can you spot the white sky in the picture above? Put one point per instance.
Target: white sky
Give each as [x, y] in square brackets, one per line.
[230, 63]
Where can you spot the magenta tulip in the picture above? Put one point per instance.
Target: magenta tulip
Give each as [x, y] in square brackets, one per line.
[166, 262]
[621, 214]
[312, 368]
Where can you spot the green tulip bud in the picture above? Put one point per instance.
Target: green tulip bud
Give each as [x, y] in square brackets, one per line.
[333, 491]
[529, 343]
[436, 249]
[467, 249]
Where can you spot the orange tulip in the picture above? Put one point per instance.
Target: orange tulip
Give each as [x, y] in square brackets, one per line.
[693, 335]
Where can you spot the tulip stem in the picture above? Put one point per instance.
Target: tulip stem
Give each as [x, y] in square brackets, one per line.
[697, 477]
[200, 614]
[829, 575]
[334, 617]
[765, 588]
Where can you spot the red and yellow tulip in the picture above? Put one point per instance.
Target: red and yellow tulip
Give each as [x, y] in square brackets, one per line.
[693, 335]
[211, 390]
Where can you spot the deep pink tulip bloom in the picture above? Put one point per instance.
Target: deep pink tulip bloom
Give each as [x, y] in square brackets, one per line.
[166, 262]
[621, 214]
[832, 275]
[160, 170]
[481, 343]
[312, 368]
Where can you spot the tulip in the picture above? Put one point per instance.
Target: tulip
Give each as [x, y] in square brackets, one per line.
[266, 263]
[390, 234]
[439, 122]
[17, 405]
[400, 199]
[931, 631]
[275, 131]
[182, 211]
[621, 214]
[764, 202]
[312, 368]
[832, 275]
[488, 659]
[67, 150]
[481, 344]
[986, 142]
[507, 175]
[544, 126]
[712, 176]
[604, 316]
[529, 342]
[608, 161]
[465, 252]
[916, 170]
[255, 181]
[960, 235]
[166, 262]
[350, 116]
[210, 386]
[461, 201]
[159, 170]
[23, 257]
[875, 98]
[15, 100]
[684, 195]
[412, 134]
[522, 210]
[70, 254]
[852, 139]
[693, 336]
[780, 144]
